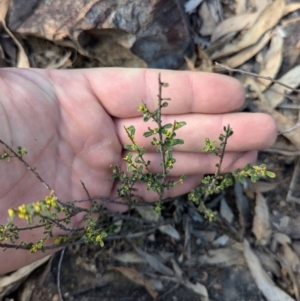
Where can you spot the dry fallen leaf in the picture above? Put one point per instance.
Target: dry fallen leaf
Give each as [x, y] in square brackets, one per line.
[240, 6]
[222, 257]
[62, 63]
[205, 61]
[289, 261]
[137, 278]
[289, 8]
[281, 238]
[154, 262]
[243, 206]
[21, 273]
[261, 4]
[261, 222]
[22, 59]
[197, 288]
[246, 54]
[262, 279]
[191, 5]
[243, 21]
[267, 19]
[234, 24]
[270, 264]
[226, 211]
[276, 93]
[199, 62]
[129, 257]
[264, 186]
[208, 24]
[284, 124]
[291, 257]
[170, 230]
[272, 60]
[251, 82]
[147, 213]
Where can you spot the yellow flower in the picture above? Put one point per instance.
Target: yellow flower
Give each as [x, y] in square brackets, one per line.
[33, 249]
[22, 215]
[22, 151]
[168, 134]
[11, 212]
[57, 241]
[99, 238]
[51, 200]
[126, 159]
[22, 209]
[37, 207]
[142, 108]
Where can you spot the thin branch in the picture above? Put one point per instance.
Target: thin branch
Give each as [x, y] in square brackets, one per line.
[289, 130]
[85, 189]
[281, 152]
[26, 164]
[159, 123]
[58, 273]
[221, 156]
[258, 76]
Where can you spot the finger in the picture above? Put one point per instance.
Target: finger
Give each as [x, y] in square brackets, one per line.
[196, 163]
[121, 91]
[251, 131]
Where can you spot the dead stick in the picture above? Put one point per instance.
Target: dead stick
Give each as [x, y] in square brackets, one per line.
[258, 76]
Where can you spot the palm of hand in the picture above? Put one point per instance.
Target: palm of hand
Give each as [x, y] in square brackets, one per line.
[71, 123]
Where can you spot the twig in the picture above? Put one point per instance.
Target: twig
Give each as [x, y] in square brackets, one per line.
[172, 289]
[258, 76]
[221, 156]
[159, 123]
[26, 164]
[294, 185]
[281, 152]
[289, 130]
[58, 273]
[289, 106]
[85, 189]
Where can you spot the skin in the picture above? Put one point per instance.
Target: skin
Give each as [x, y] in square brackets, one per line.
[72, 124]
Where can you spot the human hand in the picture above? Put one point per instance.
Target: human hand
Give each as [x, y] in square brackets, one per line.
[72, 124]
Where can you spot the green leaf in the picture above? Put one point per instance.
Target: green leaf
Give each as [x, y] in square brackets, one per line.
[180, 124]
[128, 146]
[164, 104]
[176, 142]
[142, 151]
[169, 155]
[183, 177]
[167, 126]
[270, 174]
[148, 134]
[138, 160]
[131, 130]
